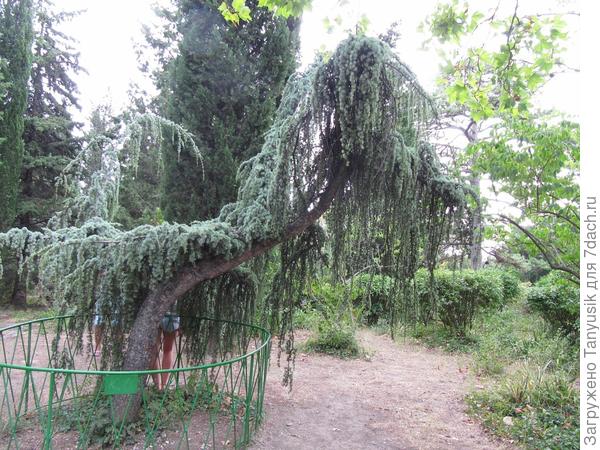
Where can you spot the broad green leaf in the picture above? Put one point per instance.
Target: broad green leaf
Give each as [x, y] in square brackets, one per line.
[237, 5]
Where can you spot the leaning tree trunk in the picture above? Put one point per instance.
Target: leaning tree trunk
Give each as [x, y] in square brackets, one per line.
[144, 331]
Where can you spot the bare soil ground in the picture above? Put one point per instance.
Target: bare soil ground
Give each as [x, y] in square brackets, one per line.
[403, 397]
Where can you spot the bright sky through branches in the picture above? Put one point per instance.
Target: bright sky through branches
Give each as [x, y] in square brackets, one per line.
[108, 29]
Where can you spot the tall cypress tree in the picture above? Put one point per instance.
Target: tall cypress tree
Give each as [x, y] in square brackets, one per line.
[16, 35]
[48, 136]
[224, 86]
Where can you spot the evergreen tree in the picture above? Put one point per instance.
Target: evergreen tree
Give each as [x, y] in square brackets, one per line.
[16, 34]
[223, 85]
[346, 139]
[3, 88]
[49, 140]
[139, 192]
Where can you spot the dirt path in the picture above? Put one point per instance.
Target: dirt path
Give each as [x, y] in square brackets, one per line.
[406, 397]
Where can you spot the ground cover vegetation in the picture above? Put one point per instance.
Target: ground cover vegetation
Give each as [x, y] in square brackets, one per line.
[247, 191]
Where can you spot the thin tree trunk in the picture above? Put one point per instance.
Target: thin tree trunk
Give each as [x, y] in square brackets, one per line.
[12, 287]
[475, 255]
[19, 294]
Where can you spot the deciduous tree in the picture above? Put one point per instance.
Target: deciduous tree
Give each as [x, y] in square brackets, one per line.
[495, 63]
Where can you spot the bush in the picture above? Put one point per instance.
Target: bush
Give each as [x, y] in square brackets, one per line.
[486, 287]
[557, 300]
[535, 400]
[333, 301]
[330, 315]
[509, 279]
[373, 293]
[455, 303]
[426, 297]
[334, 338]
[458, 295]
[306, 318]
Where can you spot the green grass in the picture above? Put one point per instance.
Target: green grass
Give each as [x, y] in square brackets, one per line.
[518, 335]
[500, 339]
[531, 397]
[435, 335]
[536, 407]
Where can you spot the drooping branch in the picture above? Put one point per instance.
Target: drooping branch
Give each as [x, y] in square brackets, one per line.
[346, 140]
[558, 215]
[158, 302]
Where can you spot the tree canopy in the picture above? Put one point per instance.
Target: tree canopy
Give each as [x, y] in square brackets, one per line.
[346, 136]
[49, 141]
[537, 164]
[495, 64]
[16, 36]
[38, 141]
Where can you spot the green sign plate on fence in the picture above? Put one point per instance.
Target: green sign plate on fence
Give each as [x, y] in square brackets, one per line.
[117, 384]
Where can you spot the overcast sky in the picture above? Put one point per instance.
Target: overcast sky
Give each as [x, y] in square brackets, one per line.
[108, 30]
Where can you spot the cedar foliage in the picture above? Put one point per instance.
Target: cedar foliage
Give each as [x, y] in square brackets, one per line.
[345, 138]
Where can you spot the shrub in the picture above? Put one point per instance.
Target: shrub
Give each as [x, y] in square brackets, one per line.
[458, 295]
[426, 297]
[334, 301]
[557, 300]
[306, 317]
[330, 315]
[509, 280]
[334, 338]
[485, 287]
[373, 293]
[455, 303]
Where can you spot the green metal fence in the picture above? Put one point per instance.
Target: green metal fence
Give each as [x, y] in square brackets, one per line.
[54, 395]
